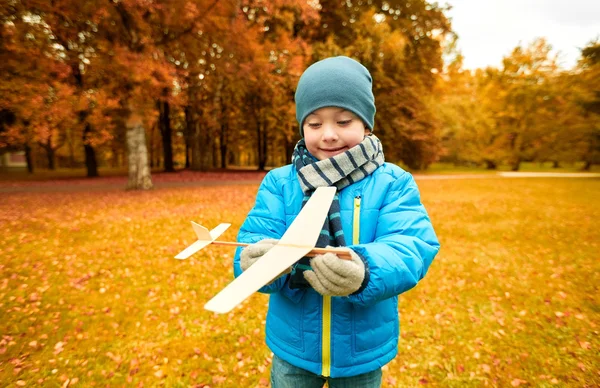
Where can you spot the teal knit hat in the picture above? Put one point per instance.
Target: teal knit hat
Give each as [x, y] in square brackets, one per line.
[338, 81]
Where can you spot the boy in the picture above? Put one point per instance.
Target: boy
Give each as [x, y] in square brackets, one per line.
[330, 319]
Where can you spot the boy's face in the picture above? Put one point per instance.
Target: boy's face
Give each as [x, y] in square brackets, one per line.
[330, 131]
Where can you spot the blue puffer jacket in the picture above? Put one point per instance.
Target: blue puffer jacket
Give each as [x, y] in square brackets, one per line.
[346, 336]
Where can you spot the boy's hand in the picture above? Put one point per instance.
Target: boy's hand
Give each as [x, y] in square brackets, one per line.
[333, 276]
[253, 252]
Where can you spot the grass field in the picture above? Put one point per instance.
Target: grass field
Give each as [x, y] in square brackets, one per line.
[449, 168]
[90, 293]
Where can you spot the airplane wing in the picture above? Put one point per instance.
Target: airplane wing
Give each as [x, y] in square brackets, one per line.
[302, 235]
[195, 247]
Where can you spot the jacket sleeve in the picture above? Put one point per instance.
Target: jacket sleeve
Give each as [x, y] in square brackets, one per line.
[265, 220]
[404, 246]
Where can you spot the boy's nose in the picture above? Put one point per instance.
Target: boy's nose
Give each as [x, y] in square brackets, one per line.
[329, 133]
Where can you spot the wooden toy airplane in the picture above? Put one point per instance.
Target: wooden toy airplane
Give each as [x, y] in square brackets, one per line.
[298, 241]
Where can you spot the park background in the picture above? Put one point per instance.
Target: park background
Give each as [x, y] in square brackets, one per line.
[195, 100]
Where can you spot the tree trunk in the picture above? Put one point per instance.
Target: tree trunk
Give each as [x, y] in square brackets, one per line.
[555, 164]
[196, 134]
[515, 146]
[289, 149]
[90, 161]
[188, 130]
[262, 146]
[587, 166]
[207, 143]
[90, 155]
[114, 161]
[259, 146]
[91, 164]
[47, 146]
[50, 154]
[516, 165]
[215, 153]
[28, 159]
[151, 151]
[218, 114]
[265, 145]
[71, 145]
[139, 169]
[164, 121]
[490, 165]
[196, 148]
[187, 154]
[223, 144]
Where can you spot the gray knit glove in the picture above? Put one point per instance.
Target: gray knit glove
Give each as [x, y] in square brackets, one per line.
[333, 276]
[253, 252]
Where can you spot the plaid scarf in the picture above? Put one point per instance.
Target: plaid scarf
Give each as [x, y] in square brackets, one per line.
[340, 171]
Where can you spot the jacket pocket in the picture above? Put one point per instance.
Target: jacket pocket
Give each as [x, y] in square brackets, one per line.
[285, 322]
[374, 326]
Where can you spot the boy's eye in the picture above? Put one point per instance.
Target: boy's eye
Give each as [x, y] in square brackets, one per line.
[314, 125]
[344, 122]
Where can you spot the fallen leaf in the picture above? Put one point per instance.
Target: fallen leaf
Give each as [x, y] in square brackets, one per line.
[219, 379]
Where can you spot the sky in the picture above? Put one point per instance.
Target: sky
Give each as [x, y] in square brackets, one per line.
[488, 30]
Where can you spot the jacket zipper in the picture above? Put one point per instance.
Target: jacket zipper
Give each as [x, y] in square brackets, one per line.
[356, 221]
[326, 329]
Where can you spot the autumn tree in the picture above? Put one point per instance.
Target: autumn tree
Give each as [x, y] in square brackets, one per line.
[69, 40]
[278, 54]
[529, 110]
[34, 90]
[180, 42]
[589, 85]
[463, 103]
[400, 43]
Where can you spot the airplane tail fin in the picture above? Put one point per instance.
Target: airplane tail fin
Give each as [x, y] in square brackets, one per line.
[204, 238]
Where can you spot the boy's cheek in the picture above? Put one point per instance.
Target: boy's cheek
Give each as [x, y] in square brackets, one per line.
[312, 147]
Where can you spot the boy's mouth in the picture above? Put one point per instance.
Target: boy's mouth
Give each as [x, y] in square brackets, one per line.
[333, 149]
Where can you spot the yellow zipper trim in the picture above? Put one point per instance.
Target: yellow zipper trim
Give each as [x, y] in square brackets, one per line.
[326, 351]
[356, 225]
[326, 330]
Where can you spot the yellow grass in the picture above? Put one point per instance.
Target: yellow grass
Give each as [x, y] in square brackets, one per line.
[90, 293]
